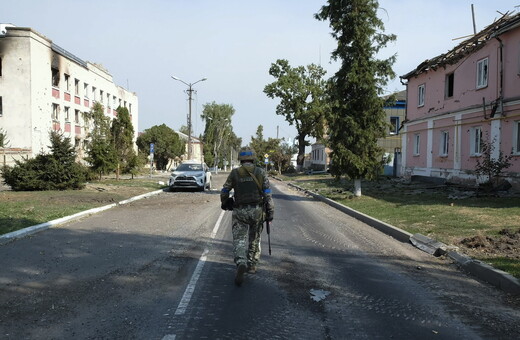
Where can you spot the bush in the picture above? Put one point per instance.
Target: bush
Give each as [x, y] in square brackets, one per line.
[54, 171]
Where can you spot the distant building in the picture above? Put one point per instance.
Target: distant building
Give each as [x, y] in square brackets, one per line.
[319, 158]
[461, 99]
[45, 88]
[197, 148]
[395, 116]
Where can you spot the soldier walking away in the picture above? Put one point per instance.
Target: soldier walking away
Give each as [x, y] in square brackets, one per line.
[253, 204]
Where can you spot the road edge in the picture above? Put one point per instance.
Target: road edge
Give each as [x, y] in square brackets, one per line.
[476, 268]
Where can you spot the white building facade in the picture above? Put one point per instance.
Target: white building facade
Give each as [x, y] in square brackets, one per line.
[44, 88]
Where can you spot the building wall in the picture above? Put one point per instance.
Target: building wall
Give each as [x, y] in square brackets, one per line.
[28, 93]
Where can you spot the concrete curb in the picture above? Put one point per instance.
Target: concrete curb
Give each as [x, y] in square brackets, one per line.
[483, 271]
[6, 238]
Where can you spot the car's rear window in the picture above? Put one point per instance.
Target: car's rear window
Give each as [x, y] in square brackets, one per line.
[189, 167]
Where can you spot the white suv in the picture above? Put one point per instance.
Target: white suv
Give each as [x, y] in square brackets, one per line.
[191, 174]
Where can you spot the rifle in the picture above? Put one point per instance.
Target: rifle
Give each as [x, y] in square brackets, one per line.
[268, 229]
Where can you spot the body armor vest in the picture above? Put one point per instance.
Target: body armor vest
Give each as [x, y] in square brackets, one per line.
[246, 189]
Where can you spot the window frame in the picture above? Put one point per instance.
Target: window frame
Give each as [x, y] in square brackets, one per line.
[1, 107]
[475, 141]
[55, 112]
[421, 92]
[449, 88]
[444, 146]
[516, 137]
[85, 90]
[55, 77]
[66, 109]
[396, 130]
[482, 73]
[76, 87]
[66, 80]
[417, 144]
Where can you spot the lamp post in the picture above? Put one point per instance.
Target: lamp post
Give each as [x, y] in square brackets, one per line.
[190, 91]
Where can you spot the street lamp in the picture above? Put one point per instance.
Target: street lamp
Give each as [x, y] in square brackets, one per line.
[190, 91]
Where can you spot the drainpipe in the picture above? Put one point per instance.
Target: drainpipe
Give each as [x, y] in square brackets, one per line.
[501, 83]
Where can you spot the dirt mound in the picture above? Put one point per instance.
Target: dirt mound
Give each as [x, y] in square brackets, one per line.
[506, 244]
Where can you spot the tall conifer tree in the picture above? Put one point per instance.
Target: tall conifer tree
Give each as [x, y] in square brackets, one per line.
[357, 117]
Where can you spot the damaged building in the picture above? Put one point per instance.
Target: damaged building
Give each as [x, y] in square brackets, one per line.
[463, 100]
[44, 88]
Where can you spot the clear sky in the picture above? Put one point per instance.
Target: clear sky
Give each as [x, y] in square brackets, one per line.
[232, 43]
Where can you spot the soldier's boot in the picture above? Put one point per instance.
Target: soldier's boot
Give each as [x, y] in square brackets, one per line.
[251, 269]
[239, 277]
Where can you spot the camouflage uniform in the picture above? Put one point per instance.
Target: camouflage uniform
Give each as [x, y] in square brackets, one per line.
[248, 211]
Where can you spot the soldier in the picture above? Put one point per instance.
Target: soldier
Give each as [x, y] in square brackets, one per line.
[253, 204]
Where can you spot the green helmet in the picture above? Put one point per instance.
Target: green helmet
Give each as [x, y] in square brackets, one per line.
[247, 154]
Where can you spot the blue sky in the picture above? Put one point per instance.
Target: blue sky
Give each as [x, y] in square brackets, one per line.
[232, 43]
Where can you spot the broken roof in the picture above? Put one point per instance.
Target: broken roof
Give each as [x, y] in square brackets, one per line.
[506, 23]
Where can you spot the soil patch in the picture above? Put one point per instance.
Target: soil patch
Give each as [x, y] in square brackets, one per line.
[506, 244]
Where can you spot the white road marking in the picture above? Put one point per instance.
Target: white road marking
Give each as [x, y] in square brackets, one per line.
[183, 304]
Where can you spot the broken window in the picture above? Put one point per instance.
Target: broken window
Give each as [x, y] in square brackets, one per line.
[475, 141]
[421, 90]
[394, 125]
[444, 145]
[55, 77]
[449, 85]
[55, 111]
[482, 73]
[67, 82]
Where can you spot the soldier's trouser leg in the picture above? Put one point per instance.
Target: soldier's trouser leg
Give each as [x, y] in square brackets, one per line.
[240, 242]
[247, 224]
[254, 249]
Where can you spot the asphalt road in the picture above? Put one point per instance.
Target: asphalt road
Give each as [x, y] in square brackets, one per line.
[161, 268]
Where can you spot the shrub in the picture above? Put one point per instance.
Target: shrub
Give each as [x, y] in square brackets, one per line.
[54, 171]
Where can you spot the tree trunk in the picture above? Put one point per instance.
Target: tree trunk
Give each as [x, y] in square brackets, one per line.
[357, 187]
[301, 153]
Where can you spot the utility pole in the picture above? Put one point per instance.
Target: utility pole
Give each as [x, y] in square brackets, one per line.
[190, 91]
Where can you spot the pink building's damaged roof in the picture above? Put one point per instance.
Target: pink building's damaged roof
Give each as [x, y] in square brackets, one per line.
[506, 23]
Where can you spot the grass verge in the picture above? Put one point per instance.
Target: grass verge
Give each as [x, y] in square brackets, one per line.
[23, 209]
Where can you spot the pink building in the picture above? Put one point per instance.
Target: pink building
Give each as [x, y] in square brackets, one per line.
[460, 99]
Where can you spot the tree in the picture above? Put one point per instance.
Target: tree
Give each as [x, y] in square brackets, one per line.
[492, 167]
[219, 138]
[4, 142]
[303, 99]
[282, 156]
[167, 144]
[56, 170]
[262, 147]
[357, 117]
[122, 132]
[101, 154]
